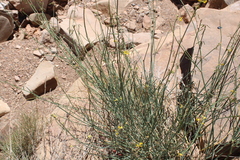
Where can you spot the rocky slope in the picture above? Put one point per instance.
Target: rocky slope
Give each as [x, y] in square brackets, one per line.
[31, 62]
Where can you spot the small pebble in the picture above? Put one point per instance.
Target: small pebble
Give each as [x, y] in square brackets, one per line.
[17, 46]
[17, 78]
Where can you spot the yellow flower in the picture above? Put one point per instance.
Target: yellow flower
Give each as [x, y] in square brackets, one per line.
[181, 106]
[89, 136]
[54, 115]
[201, 119]
[222, 64]
[229, 50]
[202, 1]
[117, 133]
[115, 100]
[139, 145]
[198, 119]
[180, 18]
[180, 154]
[120, 127]
[126, 52]
[232, 91]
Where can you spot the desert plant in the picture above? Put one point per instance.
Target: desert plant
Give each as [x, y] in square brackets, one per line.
[23, 139]
[136, 116]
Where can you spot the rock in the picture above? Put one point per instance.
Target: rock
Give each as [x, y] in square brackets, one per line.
[42, 81]
[50, 57]
[110, 21]
[217, 4]
[18, 47]
[132, 40]
[16, 78]
[159, 22]
[38, 53]
[81, 33]
[229, 2]
[131, 26]
[38, 19]
[4, 108]
[22, 34]
[53, 22]
[46, 37]
[4, 5]
[108, 7]
[53, 50]
[235, 7]
[220, 27]
[220, 4]
[26, 7]
[6, 26]
[186, 12]
[30, 31]
[147, 22]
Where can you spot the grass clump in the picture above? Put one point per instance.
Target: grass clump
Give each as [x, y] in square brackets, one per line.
[23, 139]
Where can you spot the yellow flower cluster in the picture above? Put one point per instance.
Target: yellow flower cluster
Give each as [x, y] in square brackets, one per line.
[180, 18]
[117, 130]
[126, 52]
[201, 119]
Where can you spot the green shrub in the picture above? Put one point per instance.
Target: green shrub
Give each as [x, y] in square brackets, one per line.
[136, 116]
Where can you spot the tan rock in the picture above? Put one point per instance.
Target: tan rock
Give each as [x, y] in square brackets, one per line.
[6, 26]
[4, 108]
[186, 12]
[38, 18]
[131, 26]
[217, 4]
[220, 27]
[81, 29]
[147, 22]
[234, 7]
[42, 81]
[29, 6]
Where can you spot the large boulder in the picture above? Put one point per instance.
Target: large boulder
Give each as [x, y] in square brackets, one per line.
[81, 29]
[220, 27]
[42, 81]
[6, 25]
[30, 6]
[209, 49]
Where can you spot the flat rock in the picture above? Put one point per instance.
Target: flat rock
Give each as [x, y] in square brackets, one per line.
[42, 81]
[4, 108]
[81, 28]
[38, 18]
